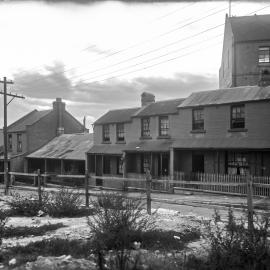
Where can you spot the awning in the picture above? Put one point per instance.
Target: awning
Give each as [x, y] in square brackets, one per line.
[112, 149]
[149, 146]
[221, 143]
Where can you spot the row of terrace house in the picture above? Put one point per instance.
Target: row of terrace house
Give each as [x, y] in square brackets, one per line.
[223, 131]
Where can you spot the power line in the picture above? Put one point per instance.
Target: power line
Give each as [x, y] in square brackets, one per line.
[146, 41]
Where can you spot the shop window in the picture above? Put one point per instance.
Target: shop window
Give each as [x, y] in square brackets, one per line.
[238, 163]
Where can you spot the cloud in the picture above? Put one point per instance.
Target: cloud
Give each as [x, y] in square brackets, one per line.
[94, 99]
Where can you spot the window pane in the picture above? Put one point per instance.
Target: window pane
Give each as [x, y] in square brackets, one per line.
[106, 133]
[238, 116]
[264, 53]
[163, 126]
[145, 127]
[197, 119]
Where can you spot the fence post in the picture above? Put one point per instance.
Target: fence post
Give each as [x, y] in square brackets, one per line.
[250, 204]
[6, 181]
[148, 191]
[39, 187]
[86, 184]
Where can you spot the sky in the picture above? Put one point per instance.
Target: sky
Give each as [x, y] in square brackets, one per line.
[101, 55]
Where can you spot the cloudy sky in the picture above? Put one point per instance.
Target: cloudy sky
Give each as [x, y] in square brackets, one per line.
[101, 55]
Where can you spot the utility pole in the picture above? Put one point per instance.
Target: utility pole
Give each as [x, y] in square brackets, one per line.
[5, 82]
[230, 8]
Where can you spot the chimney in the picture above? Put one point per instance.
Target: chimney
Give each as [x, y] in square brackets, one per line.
[59, 108]
[264, 79]
[147, 98]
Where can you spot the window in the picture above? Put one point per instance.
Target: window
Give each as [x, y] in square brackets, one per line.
[145, 127]
[197, 119]
[120, 132]
[10, 142]
[237, 163]
[106, 165]
[163, 126]
[238, 116]
[19, 142]
[264, 53]
[145, 163]
[106, 133]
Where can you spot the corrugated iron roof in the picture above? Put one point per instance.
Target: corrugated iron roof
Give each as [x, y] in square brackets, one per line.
[66, 146]
[29, 119]
[116, 116]
[221, 143]
[149, 146]
[250, 28]
[225, 96]
[112, 149]
[159, 108]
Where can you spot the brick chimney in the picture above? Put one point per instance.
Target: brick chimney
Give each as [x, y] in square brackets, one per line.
[147, 98]
[264, 79]
[59, 108]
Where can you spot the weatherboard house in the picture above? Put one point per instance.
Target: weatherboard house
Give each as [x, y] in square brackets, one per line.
[36, 129]
[224, 131]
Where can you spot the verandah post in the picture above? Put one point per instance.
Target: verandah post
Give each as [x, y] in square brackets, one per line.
[148, 191]
[86, 184]
[39, 187]
[250, 204]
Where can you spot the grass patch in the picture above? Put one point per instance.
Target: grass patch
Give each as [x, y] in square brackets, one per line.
[26, 231]
[49, 247]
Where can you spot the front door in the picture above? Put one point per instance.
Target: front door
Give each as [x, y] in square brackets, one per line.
[198, 163]
[99, 168]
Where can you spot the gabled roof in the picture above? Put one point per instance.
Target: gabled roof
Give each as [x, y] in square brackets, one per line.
[116, 116]
[29, 119]
[66, 146]
[227, 96]
[159, 108]
[250, 28]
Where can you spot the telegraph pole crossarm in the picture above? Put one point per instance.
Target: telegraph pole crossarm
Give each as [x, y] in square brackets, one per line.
[5, 82]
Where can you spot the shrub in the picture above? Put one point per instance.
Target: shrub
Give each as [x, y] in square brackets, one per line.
[50, 247]
[63, 203]
[3, 220]
[117, 220]
[26, 231]
[233, 246]
[23, 206]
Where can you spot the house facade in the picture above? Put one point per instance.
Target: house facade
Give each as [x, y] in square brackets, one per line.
[36, 129]
[219, 131]
[246, 52]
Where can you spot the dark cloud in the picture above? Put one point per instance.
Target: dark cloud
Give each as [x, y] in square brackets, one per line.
[94, 99]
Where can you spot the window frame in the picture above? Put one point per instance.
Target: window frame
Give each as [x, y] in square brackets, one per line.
[238, 122]
[145, 133]
[198, 124]
[266, 55]
[106, 133]
[19, 142]
[163, 131]
[9, 142]
[120, 132]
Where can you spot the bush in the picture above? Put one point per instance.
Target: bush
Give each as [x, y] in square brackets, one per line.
[233, 246]
[50, 247]
[26, 231]
[23, 206]
[117, 220]
[3, 220]
[63, 203]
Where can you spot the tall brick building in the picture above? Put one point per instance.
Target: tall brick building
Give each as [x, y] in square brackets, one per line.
[246, 51]
[36, 129]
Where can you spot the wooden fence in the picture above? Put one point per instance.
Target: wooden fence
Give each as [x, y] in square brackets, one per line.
[214, 183]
